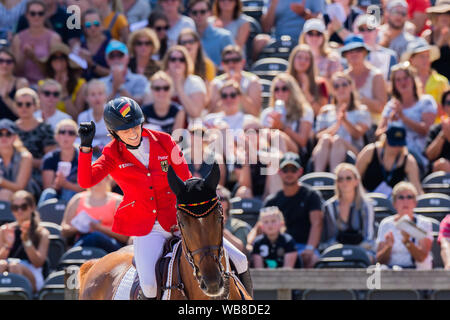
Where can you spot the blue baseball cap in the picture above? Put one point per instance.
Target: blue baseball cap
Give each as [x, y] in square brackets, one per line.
[353, 42]
[9, 125]
[396, 135]
[115, 45]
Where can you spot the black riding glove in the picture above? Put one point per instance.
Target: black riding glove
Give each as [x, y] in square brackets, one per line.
[86, 133]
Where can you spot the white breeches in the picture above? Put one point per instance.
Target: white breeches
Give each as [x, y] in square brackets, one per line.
[148, 249]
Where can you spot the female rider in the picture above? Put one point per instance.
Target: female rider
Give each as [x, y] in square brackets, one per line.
[138, 160]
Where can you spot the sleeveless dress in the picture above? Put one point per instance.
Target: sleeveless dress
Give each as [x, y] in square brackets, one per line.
[6, 112]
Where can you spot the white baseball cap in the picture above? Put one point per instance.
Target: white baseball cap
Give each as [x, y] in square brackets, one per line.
[314, 24]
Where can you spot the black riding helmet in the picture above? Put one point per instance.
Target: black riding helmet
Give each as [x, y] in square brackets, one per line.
[121, 114]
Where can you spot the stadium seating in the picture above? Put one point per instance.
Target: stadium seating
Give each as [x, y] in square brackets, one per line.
[245, 209]
[253, 8]
[436, 247]
[343, 256]
[441, 295]
[79, 255]
[382, 206]
[15, 287]
[268, 68]
[5, 213]
[320, 181]
[53, 288]
[329, 295]
[266, 84]
[393, 295]
[52, 211]
[434, 205]
[438, 182]
[255, 29]
[278, 48]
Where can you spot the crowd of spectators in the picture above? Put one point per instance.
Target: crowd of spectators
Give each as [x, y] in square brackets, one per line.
[364, 96]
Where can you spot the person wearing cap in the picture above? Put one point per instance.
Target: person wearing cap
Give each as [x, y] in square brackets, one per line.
[380, 57]
[368, 80]
[315, 35]
[16, 162]
[394, 34]
[438, 140]
[58, 66]
[138, 160]
[340, 30]
[49, 94]
[408, 107]
[302, 208]
[121, 81]
[439, 35]
[384, 163]
[421, 55]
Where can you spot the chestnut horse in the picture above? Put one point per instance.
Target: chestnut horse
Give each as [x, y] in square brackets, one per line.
[203, 267]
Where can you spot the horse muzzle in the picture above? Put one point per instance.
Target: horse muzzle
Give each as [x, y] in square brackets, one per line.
[212, 286]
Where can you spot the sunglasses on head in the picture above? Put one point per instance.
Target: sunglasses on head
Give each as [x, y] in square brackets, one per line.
[161, 88]
[24, 104]
[143, 43]
[283, 88]
[89, 24]
[187, 41]
[5, 134]
[340, 85]
[36, 13]
[51, 93]
[175, 59]
[161, 28]
[231, 95]
[408, 197]
[290, 169]
[347, 178]
[314, 33]
[197, 12]
[362, 29]
[71, 133]
[232, 60]
[16, 207]
[6, 61]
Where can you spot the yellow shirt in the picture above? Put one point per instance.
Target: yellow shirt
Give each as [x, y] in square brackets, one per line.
[210, 70]
[61, 105]
[121, 22]
[436, 85]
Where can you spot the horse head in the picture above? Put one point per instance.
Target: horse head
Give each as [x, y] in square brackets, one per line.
[200, 220]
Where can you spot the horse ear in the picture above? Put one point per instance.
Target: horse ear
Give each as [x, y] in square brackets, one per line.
[175, 183]
[212, 180]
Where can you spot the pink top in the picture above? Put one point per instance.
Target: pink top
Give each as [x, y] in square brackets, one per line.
[444, 228]
[104, 213]
[41, 45]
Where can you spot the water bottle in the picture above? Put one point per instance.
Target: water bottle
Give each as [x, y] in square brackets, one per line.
[281, 109]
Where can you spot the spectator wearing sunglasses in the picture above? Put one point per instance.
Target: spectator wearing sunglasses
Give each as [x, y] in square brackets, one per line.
[204, 67]
[49, 95]
[122, 81]
[60, 166]
[315, 35]
[16, 163]
[9, 84]
[67, 72]
[176, 21]
[189, 89]
[159, 22]
[398, 248]
[36, 136]
[438, 141]
[233, 64]
[163, 114]
[349, 216]
[93, 45]
[96, 100]
[393, 34]
[33, 43]
[301, 206]
[24, 243]
[213, 39]
[380, 57]
[142, 45]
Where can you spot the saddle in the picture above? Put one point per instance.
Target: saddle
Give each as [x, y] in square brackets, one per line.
[162, 271]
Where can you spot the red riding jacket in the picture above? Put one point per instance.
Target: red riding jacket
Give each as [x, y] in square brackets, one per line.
[147, 195]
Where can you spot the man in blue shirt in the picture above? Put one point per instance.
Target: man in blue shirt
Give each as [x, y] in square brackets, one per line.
[214, 39]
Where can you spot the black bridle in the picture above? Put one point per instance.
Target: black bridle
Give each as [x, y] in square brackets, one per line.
[207, 251]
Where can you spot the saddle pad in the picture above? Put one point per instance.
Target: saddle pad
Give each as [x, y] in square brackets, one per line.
[123, 291]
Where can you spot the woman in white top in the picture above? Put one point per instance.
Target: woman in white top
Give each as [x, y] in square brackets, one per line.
[189, 89]
[177, 21]
[340, 126]
[396, 247]
[289, 111]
